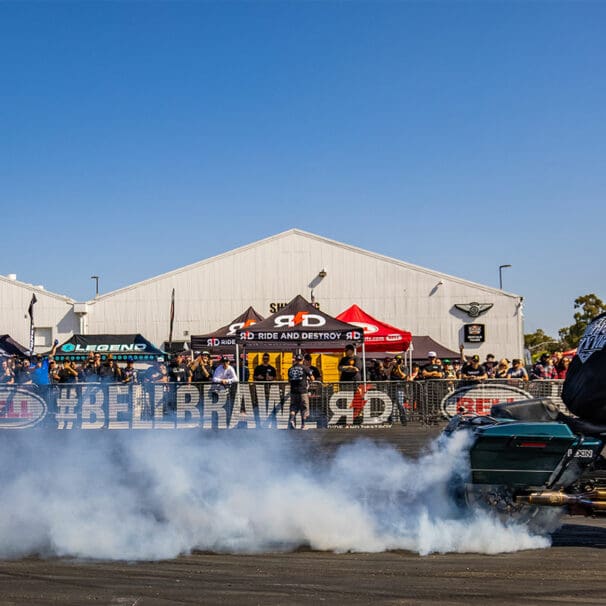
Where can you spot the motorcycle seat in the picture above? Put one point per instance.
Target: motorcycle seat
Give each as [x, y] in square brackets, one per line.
[535, 410]
[581, 426]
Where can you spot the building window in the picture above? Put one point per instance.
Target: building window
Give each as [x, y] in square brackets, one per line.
[43, 337]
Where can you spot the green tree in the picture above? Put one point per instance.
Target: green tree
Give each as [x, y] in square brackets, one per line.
[588, 306]
[538, 342]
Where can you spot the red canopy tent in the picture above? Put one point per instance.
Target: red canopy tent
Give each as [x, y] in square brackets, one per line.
[378, 336]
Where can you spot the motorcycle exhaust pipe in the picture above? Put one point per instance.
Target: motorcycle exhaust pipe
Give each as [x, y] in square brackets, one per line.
[591, 500]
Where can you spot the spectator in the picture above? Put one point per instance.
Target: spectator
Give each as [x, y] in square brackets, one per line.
[502, 368]
[449, 370]
[315, 371]
[201, 369]
[53, 372]
[490, 366]
[473, 371]
[457, 367]
[298, 379]
[415, 371]
[562, 367]
[7, 376]
[178, 371]
[397, 371]
[543, 369]
[23, 374]
[224, 374]
[129, 373]
[517, 370]
[349, 366]
[432, 370]
[110, 371]
[377, 371]
[91, 368]
[68, 372]
[265, 371]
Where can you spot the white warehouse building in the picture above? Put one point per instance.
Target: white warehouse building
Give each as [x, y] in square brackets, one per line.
[269, 273]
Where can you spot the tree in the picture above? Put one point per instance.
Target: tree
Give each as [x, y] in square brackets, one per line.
[538, 342]
[589, 306]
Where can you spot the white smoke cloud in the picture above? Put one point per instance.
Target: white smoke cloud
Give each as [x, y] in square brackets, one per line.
[148, 496]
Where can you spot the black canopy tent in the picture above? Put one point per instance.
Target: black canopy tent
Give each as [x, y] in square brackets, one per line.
[423, 344]
[223, 340]
[10, 347]
[120, 347]
[299, 325]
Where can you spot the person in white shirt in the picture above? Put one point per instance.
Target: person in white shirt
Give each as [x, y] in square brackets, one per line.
[225, 374]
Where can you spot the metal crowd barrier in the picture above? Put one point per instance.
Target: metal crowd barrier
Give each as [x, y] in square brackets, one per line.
[255, 405]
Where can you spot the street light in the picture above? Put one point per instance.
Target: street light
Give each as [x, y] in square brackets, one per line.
[96, 279]
[501, 274]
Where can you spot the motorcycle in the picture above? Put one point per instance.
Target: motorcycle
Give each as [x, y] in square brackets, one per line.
[528, 459]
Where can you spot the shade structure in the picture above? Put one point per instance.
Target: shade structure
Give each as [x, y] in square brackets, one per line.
[299, 325]
[423, 344]
[121, 347]
[10, 347]
[378, 336]
[223, 340]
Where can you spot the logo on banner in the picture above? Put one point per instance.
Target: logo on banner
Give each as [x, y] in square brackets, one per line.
[238, 325]
[367, 328]
[20, 409]
[301, 318]
[593, 340]
[478, 399]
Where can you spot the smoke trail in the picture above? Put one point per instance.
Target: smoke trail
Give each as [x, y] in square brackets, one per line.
[147, 496]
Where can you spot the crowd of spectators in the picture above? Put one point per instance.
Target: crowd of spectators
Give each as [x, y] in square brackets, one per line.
[201, 368]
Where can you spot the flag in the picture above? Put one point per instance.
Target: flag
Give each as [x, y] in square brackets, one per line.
[30, 311]
[172, 319]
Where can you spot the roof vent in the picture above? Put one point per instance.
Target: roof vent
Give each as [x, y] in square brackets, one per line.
[12, 277]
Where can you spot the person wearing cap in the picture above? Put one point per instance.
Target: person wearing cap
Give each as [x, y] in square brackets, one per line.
[350, 368]
[200, 368]
[490, 366]
[224, 374]
[315, 371]
[129, 374]
[543, 369]
[265, 371]
[517, 370]
[473, 371]
[178, 371]
[432, 370]
[299, 376]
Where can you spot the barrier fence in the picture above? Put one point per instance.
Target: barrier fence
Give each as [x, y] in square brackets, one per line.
[91, 406]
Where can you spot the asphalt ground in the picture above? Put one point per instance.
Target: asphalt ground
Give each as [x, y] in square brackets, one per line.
[573, 570]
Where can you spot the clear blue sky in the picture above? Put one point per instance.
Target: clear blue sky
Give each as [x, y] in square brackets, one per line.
[139, 137]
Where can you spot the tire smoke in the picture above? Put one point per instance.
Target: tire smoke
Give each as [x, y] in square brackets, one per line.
[156, 495]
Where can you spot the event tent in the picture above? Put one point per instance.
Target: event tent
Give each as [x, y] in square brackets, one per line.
[223, 340]
[10, 347]
[422, 345]
[378, 336]
[299, 325]
[120, 347]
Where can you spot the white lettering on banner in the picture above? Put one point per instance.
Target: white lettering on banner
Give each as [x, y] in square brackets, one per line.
[233, 328]
[117, 407]
[303, 318]
[188, 399]
[93, 415]
[340, 407]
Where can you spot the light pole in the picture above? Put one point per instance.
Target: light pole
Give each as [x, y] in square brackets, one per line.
[96, 279]
[501, 274]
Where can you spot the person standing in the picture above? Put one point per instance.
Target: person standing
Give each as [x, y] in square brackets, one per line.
[349, 366]
[299, 376]
[265, 371]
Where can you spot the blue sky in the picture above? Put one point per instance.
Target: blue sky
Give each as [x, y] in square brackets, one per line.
[139, 137]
